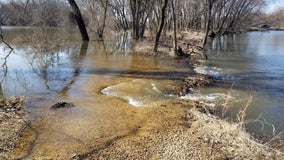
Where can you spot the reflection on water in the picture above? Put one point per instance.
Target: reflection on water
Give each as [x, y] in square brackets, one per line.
[47, 61]
[254, 62]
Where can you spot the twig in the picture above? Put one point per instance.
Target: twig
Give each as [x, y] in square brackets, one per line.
[242, 113]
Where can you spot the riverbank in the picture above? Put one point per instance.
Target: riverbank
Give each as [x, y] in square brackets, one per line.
[258, 29]
[183, 132]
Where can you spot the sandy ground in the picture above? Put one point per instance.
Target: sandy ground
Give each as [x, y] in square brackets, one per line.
[190, 134]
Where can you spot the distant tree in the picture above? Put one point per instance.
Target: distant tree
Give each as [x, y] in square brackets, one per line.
[276, 19]
[96, 12]
[120, 10]
[140, 10]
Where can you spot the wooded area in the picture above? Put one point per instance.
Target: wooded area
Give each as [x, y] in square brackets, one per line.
[220, 16]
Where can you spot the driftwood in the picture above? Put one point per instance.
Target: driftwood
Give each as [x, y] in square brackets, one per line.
[198, 53]
[62, 104]
[181, 53]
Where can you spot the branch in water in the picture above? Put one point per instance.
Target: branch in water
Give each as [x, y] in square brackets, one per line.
[2, 39]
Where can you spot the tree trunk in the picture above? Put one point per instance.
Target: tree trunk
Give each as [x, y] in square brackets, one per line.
[210, 5]
[79, 20]
[102, 28]
[175, 27]
[134, 10]
[163, 16]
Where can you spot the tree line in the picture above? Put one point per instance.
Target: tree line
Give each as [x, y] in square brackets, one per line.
[220, 16]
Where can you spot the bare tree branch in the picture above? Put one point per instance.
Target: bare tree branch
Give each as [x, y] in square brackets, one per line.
[2, 39]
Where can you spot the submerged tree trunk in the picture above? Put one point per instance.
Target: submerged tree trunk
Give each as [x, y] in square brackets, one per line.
[79, 20]
[161, 26]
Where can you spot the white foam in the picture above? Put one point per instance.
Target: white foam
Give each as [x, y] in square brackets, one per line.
[134, 102]
[208, 98]
[137, 92]
[154, 88]
[107, 91]
[213, 71]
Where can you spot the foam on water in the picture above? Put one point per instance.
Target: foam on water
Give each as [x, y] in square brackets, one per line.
[134, 102]
[137, 92]
[209, 99]
[213, 71]
[154, 87]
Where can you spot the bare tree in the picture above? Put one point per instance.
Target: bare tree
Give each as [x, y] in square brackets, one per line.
[79, 20]
[101, 28]
[209, 4]
[97, 12]
[140, 10]
[119, 8]
[161, 25]
[174, 26]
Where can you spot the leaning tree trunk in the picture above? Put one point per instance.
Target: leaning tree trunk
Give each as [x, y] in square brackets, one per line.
[79, 20]
[161, 26]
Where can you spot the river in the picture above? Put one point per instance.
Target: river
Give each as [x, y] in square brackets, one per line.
[113, 88]
[251, 64]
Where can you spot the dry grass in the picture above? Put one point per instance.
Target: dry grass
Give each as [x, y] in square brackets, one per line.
[242, 113]
[12, 122]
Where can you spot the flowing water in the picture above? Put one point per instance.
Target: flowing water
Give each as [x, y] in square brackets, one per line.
[251, 64]
[112, 87]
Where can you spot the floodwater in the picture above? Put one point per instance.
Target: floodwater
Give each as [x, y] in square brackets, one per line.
[252, 64]
[111, 87]
[115, 91]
